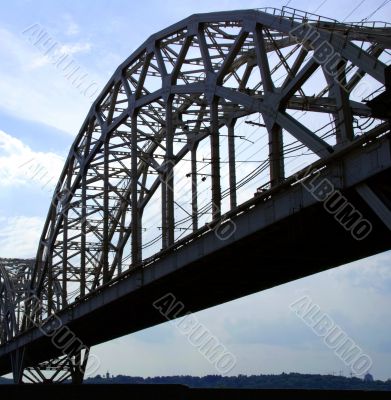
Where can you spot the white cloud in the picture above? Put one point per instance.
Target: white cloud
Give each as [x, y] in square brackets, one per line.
[33, 88]
[19, 236]
[58, 52]
[20, 165]
[75, 48]
[72, 28]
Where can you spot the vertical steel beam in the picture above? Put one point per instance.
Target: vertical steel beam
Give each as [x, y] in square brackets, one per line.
[48, 260]
[65, 211]
[231, 162]
[83, 234]
[204, 49]
[276, 157]
[163, 178]
[83, 213]
[106, 211]
[169, 167]
[50, 286]
[79, 366]
[33, 314]
[262, 60]
[275, 131]
[121, 250]
[64, 290]
[215, 159]
[343, 117]
[194, 188]
[135, 224]
[17, 363]
[194, 173]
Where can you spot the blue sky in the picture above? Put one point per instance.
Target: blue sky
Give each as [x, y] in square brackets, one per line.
[40, 114]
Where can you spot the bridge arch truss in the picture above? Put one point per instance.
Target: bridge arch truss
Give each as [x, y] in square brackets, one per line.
[201, 116]
[167, 125]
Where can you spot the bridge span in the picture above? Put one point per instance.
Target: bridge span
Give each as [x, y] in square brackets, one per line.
[230, 153]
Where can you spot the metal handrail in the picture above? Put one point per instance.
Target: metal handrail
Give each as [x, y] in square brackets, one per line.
[294, 14]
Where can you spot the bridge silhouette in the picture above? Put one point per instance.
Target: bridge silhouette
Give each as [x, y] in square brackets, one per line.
[231, 152]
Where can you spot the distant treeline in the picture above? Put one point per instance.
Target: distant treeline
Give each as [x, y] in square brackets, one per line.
[283, 381]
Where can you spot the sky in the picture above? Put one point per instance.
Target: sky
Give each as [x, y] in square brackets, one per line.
[41, 111]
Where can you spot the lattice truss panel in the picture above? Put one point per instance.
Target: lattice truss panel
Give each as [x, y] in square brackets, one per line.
[191, 125]
[15, 280]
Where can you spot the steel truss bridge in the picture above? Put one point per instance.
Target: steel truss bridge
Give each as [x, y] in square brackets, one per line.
[192, 175]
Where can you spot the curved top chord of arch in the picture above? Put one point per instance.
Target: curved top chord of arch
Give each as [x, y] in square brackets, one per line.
[191, 124]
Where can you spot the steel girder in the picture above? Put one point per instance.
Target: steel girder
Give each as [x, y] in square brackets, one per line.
[178, 96]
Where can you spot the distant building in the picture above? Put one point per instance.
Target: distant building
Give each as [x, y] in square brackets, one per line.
[368, 377]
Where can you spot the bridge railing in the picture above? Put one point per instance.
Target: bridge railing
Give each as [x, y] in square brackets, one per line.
[297, 15]
[301, 16]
